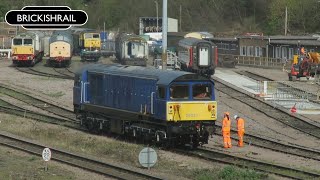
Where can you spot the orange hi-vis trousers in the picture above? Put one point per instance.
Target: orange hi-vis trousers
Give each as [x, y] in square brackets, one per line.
[226, 139]
[240, 136]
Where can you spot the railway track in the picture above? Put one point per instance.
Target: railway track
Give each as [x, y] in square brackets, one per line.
[86, 163]
[277, 146]
[24, 97]
[257, 77]
[12, 109]
[65, 72]
[40, 73]
[226, 158]
[267, 109]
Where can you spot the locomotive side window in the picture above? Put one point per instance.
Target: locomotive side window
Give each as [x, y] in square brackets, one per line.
[27, 41]
[201, 91]
[161, 92]
[17, 41]
[179, 92]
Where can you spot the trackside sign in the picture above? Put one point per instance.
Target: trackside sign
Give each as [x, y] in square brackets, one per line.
[46, 17]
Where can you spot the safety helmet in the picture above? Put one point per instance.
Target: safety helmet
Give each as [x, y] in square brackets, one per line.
[235, 116]
[227, 113]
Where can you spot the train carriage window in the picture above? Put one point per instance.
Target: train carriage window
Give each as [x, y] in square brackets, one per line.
[17, 41]
[27, 41]
[201, 91]
[179, 92]
[161, 92]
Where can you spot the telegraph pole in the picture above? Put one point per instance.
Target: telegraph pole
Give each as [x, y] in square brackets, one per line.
[286, 22]
[180, 18]
[156, 1]
[164, 34]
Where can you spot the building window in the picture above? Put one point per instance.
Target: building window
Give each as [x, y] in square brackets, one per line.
[258, 51]
[10, 32]
[277, 52]
[284, 52]
[243, 51]
[291, 53]
[250, 51]
[233, 47]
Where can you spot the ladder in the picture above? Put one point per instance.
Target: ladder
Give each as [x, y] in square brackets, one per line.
[172, 61]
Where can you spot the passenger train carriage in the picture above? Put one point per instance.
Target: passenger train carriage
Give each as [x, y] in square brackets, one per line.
[168, 107]
[198, 56]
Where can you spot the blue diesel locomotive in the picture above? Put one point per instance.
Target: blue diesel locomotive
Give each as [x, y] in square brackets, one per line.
[167, 107]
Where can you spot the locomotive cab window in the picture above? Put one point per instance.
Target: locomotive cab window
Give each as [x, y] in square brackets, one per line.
[17, 41]
[201, 91]
[179, 92]
[95, 36]
[27, 41]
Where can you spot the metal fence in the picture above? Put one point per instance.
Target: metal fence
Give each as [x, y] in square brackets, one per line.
[260, 61]
[279, 90]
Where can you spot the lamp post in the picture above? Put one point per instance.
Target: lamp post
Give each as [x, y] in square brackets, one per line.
[164, 34]
[157, 13]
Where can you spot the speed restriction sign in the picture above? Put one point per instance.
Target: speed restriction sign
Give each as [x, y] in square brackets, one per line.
[46, 154]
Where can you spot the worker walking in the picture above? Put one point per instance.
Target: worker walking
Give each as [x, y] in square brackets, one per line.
[226, 125]
[240, 127]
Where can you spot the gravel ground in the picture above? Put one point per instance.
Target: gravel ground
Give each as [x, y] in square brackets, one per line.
[256, 123]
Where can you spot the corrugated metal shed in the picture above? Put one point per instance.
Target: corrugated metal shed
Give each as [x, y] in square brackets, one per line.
[225, 39]
[297, 42]
[162, 77]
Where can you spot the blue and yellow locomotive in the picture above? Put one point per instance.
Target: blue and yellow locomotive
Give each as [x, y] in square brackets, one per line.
[167, 107]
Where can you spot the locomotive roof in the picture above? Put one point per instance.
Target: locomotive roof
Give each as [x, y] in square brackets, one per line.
[163, 77]
[130, 37]
[192, 41]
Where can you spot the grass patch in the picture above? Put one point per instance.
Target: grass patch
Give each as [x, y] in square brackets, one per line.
[110, 150]
[231, 172]
[14, 165]
[55, 94]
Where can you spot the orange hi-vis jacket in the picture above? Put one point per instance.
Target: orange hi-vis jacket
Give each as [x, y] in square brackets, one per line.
[240, 125]
[226, 125]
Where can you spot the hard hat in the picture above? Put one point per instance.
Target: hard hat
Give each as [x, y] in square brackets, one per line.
[227, 113]
[235, 116]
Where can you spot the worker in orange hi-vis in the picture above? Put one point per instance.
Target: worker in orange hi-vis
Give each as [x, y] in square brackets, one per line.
[226, 126]
[240, 127]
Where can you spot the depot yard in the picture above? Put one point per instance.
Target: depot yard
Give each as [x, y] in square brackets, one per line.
[169, 165]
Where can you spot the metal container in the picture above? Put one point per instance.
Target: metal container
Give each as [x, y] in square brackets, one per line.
[103, 36]
[46, 45]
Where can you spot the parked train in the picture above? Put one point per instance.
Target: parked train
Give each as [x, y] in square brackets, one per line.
[87, 44]
[131, 49]
[28, 48]
[61, 48]
[197, 56]
[166, 107]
